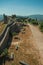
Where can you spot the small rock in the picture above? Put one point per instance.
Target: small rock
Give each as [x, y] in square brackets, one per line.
[23, 63]
[11, 56]
[16, 47]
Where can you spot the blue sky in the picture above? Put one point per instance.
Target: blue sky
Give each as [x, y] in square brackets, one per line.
[21, 7]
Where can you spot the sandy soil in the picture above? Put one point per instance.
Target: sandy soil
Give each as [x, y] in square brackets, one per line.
[38, 36]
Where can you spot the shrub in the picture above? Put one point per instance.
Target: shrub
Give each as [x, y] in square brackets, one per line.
[5, 52]
[5, 18]
[13, 16]
[14, 33]
[34, 22]
[41, 26]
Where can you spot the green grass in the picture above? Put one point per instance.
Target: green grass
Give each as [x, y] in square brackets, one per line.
[5, 52]
[41, 26]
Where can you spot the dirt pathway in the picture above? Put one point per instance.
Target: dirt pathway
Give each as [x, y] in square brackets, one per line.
[38, 36]
[27, 50]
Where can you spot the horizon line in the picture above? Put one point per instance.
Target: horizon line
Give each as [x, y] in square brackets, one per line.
[20, 15]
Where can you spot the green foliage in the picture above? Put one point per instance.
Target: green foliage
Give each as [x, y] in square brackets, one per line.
[14, 33]
[0, 51]
[19, 20]
[29, 19]
[13, 16]
[34, 22]
[5, 52]
[5, 18]
[41, 26]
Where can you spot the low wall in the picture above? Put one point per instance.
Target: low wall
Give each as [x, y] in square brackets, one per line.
[3, 42]
[4, 38]
[8, 31]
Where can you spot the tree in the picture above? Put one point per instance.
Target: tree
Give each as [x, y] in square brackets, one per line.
[13, 16]
[5, 18]
[29, 19]
[41, 26]
[36, 19]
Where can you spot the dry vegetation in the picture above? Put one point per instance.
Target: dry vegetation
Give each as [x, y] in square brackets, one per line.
[26, 49]
[2, 26]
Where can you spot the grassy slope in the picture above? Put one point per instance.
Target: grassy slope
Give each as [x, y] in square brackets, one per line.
[2, 26]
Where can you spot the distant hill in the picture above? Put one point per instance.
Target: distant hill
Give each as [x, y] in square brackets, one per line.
[1, 17]
[39, 17]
